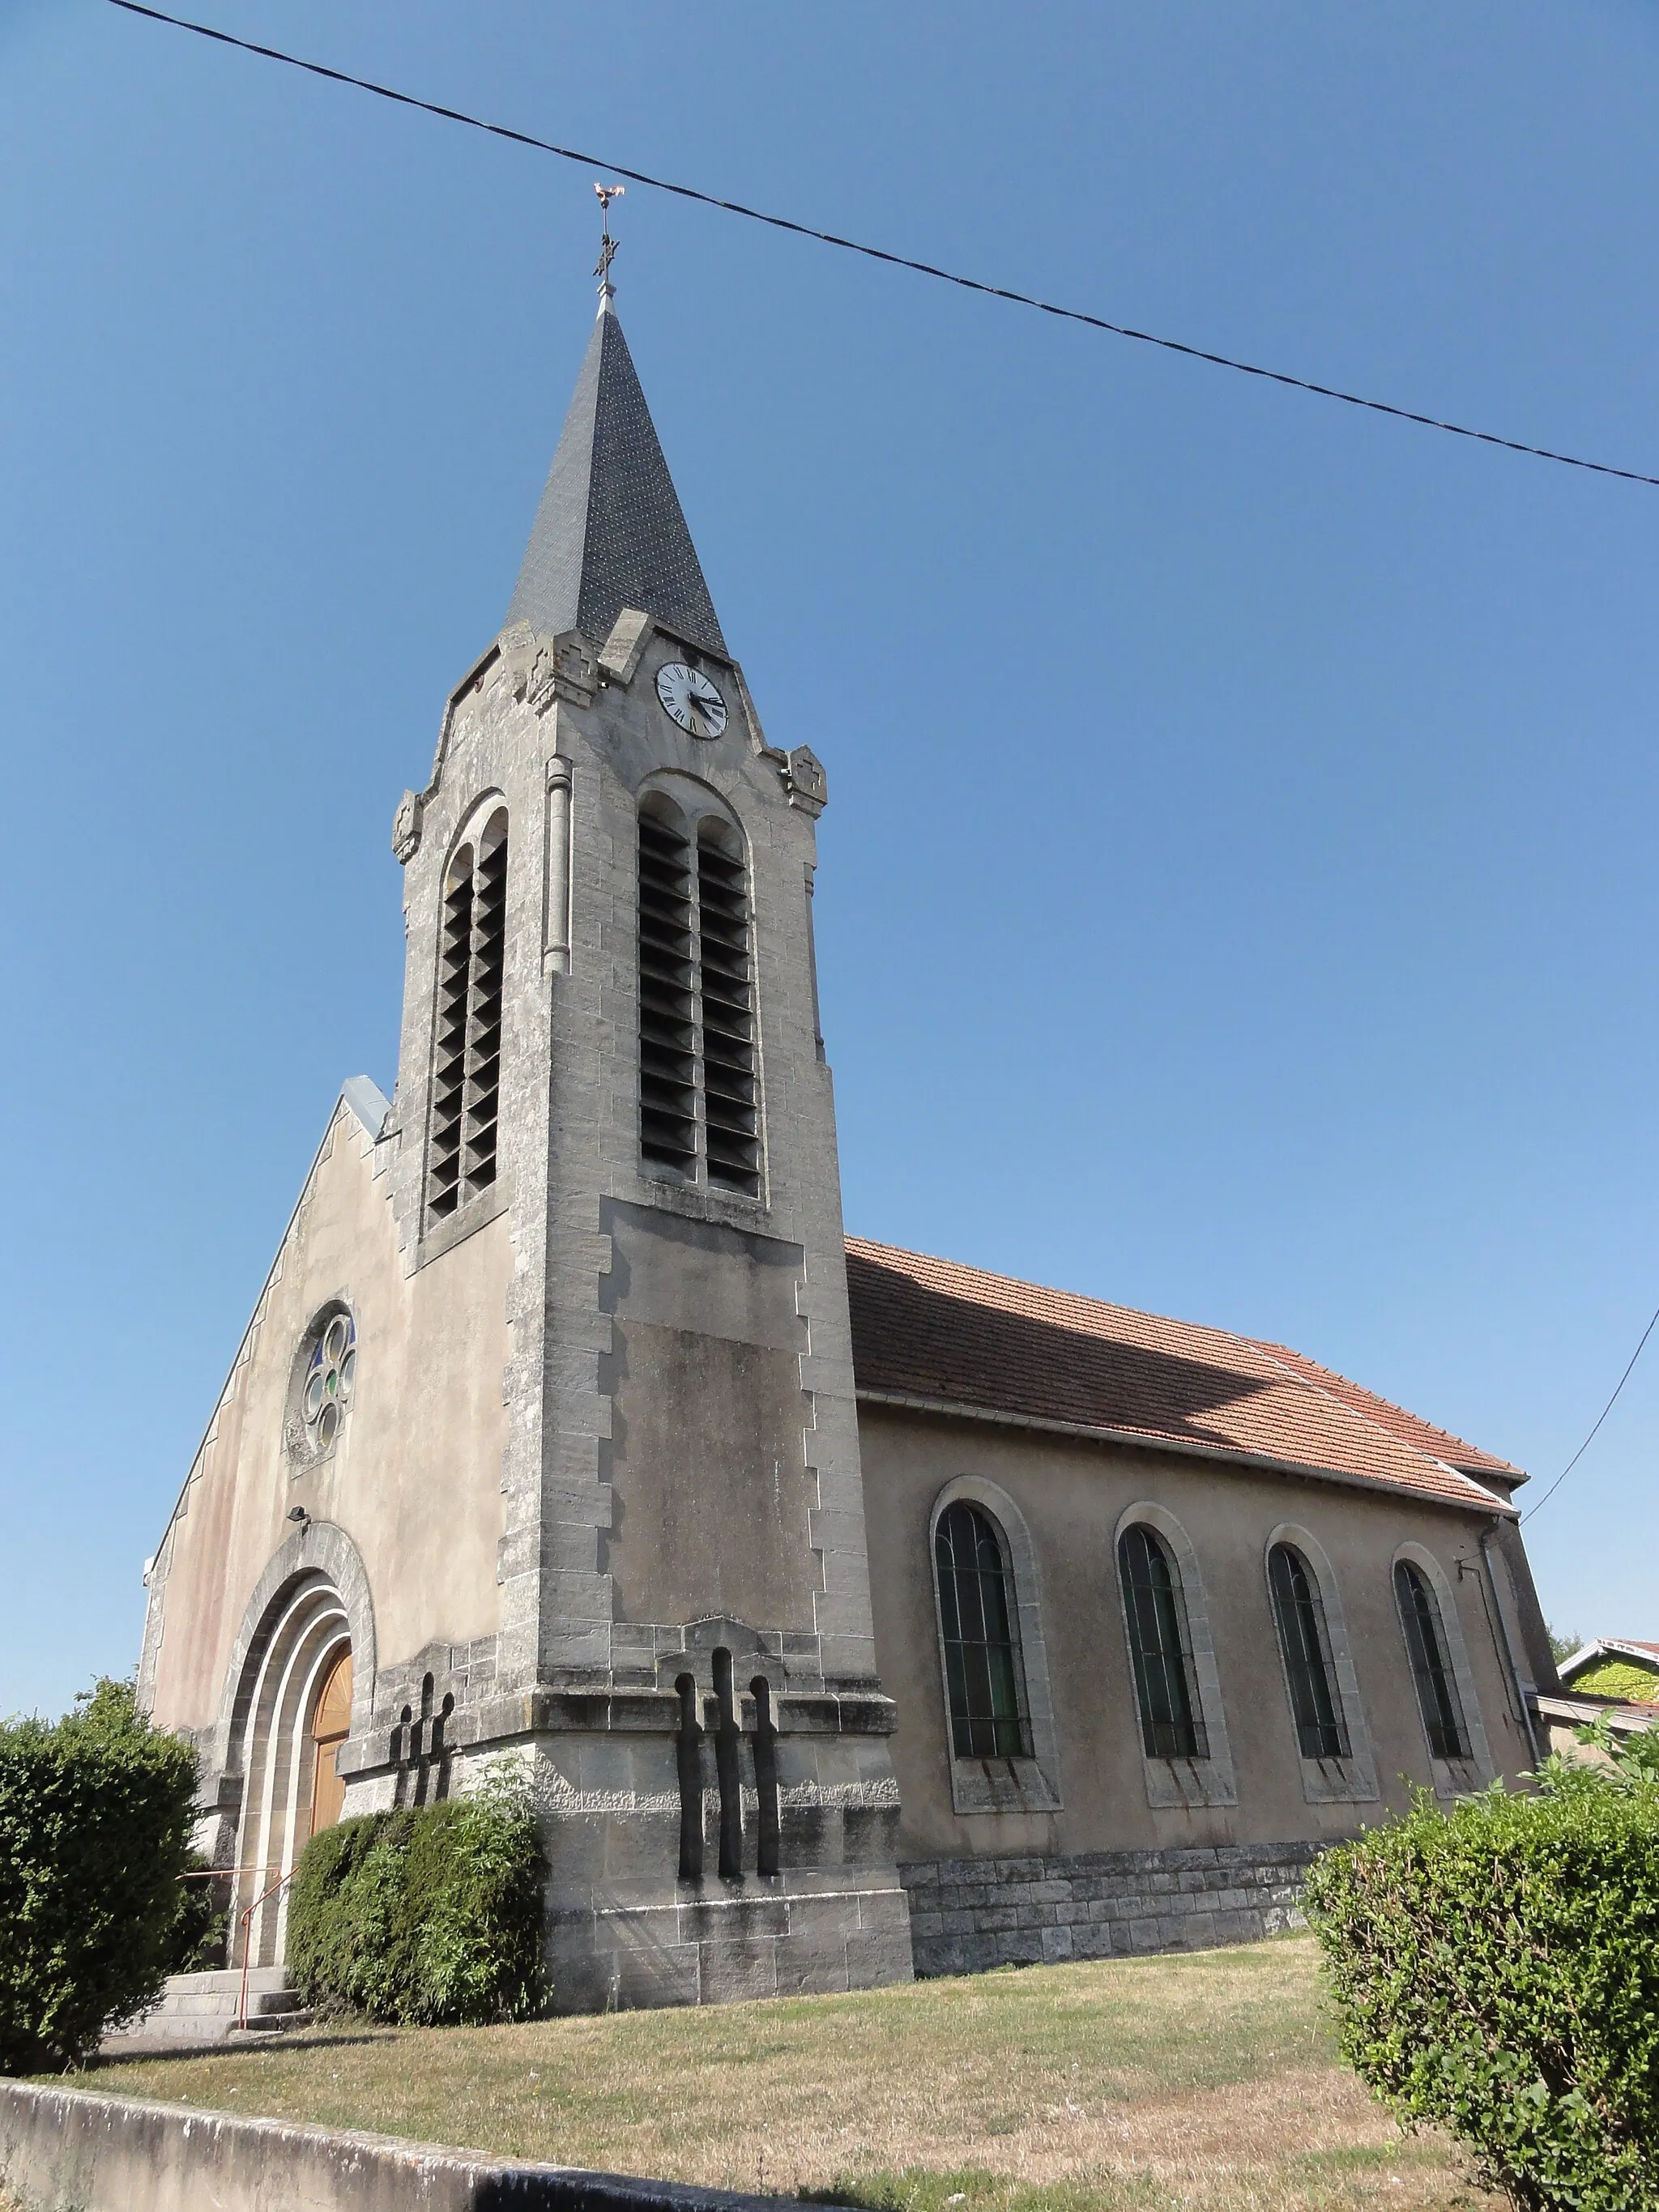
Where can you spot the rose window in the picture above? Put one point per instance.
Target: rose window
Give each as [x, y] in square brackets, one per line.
[328, 1381]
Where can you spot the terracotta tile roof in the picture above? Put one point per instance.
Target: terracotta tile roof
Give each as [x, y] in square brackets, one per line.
[945, 1334]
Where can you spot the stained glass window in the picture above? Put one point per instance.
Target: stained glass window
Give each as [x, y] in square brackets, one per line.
[329, 1380]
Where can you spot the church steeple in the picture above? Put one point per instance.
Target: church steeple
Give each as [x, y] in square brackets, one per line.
[609, 533]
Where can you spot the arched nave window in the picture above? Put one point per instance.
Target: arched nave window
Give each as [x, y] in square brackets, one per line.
[1431, 1668]
[1186, 1757]
[1171, 1724]
[978, 1626]
[1321, 1685]
[1303, 1637]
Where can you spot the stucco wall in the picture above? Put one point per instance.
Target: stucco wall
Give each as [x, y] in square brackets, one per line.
[415, 1479]
[1070, 1495]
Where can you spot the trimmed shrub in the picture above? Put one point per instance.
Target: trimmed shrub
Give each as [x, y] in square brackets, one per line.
[1496, 1971]
[425, 1916]
[198, 1940]
[95, 1817]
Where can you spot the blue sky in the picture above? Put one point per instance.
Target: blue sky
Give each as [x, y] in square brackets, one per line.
[1238, 888]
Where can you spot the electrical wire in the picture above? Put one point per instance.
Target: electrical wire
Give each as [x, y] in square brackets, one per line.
[1591, 1438]
[880, 254]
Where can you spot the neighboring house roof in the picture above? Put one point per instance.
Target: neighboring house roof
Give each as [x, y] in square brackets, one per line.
[1601, 1649]
[933, 1333]
[1580, 1710]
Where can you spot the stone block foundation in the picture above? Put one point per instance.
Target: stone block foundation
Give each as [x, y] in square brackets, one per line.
[970, 1915]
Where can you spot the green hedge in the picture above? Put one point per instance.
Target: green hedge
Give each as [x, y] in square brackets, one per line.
[429, 1917]
[1496, 1971]
[95, 1816]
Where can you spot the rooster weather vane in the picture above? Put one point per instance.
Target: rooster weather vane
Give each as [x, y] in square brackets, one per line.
[606, 193]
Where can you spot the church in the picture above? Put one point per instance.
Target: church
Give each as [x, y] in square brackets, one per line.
[855, 1614]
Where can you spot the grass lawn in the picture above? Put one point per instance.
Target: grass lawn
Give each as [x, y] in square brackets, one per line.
[1207, 2082]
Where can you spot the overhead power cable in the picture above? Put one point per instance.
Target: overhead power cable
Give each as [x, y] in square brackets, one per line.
[879, 252]
[1591, 1438]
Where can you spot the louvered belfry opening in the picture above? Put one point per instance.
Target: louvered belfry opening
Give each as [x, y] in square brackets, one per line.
[466, 1069]
[699, 1088]
[449, 1056]
[730, 1106]
[668, 1098]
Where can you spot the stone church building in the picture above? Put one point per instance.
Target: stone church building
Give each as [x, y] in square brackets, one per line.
[858, 1614]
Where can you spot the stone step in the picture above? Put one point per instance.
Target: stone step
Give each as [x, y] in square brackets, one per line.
[205, 2008]
[229, 1978]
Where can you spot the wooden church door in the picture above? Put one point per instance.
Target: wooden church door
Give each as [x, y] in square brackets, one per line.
[330, 1724]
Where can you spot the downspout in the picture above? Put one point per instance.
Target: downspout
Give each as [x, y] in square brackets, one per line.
[1508, 1648]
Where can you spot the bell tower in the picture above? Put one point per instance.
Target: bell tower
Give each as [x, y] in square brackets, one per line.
[610, 1038]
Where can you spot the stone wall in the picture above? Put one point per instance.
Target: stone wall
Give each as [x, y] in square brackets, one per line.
[969, 1915]
[71, 2150]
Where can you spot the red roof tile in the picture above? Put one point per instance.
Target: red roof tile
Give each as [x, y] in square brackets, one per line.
[945, 1334]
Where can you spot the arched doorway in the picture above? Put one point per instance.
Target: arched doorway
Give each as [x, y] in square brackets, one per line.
[296, 1714]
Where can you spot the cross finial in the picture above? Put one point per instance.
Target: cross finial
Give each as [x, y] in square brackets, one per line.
[606, 193]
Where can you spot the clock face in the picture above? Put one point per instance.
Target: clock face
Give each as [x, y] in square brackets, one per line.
[691, 699]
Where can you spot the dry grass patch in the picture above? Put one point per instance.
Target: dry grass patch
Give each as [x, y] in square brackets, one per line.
[1209, 2081]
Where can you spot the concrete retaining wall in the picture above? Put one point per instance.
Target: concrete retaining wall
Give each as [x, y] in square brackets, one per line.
[968, 1915]
[72, 2150]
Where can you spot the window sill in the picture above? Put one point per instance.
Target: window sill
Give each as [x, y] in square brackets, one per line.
[1188, 1782]
[1339, 1782]
[1458, 1778]
[444, 1235]
[729, 1209]
[1001, 1785]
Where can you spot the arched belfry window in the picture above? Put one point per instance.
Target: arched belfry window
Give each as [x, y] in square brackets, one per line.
[1431, 1668]
[977, 1625]
[698, 1093]
[1171, 1723]
[467, 1068]
[1304, 1639]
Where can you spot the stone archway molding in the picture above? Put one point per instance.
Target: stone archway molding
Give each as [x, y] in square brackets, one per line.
[317, 1547]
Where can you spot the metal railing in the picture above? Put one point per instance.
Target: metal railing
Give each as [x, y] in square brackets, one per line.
[247, 1919]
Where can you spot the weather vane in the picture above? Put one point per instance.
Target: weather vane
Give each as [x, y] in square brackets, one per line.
[607, 244]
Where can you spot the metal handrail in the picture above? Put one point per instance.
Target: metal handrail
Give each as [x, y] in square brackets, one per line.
[247, 1921]
[221, 1873]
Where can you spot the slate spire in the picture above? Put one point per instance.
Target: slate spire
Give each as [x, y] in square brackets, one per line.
[609, 533]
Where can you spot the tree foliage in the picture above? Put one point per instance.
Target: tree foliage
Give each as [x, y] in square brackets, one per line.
[1496, 1971]
[431, 1916]
[95, 1817]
